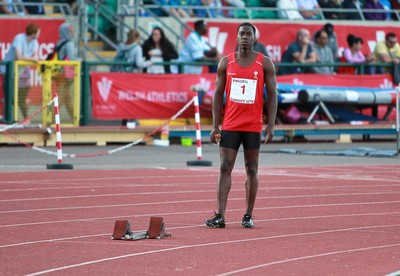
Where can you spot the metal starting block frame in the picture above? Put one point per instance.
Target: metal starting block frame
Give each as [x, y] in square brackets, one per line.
[156, 230]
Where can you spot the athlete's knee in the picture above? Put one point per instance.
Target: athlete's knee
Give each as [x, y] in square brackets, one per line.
[252, 170]
[226, 167]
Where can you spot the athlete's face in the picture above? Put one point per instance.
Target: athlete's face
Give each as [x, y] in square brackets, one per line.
[245, 37]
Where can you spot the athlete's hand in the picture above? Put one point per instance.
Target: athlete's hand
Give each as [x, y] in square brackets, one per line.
[215, 136]
[268, 134]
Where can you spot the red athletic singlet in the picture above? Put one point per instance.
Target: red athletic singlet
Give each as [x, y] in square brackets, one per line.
[244, 96]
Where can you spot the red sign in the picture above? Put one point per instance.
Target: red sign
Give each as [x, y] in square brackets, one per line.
[143, 96]
[47, 39]
[277, 36]
[146, 96]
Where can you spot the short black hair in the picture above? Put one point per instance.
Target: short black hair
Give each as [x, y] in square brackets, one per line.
[198, 24]
[249, 25]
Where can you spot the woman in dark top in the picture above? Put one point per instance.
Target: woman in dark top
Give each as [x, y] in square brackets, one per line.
[157, 48]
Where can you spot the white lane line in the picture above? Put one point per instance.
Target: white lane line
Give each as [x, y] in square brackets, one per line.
[191, 226]
[114, 178]
[194, 201]
[212, 244]
[197, 192]
[261, 181]
[310, 257]
[396, 273]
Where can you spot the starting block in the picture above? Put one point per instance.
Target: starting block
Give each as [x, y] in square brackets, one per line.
[122, 228]
[156, 230]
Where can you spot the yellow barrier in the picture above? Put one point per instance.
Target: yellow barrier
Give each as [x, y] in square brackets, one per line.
[35, 83]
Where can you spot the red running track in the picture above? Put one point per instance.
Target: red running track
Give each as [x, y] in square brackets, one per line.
[309, 221]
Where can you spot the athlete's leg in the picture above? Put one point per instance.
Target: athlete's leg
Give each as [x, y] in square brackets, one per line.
[228, 158]
[251, 164]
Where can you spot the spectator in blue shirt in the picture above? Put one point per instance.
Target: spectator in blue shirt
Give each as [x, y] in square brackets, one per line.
[196, 49]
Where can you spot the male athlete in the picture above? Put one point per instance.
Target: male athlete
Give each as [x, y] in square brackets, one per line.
[242, 76]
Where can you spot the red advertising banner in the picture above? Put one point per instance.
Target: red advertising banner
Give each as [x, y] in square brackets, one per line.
[143, 96]
[277, 36]
[10, 27]
[147, 96]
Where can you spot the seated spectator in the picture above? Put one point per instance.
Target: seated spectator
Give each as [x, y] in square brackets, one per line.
[288, 10]
[352, 5]
[177, 9]
[134, 51]
[374, 15]
[34, 9]
[72, 3]
[332, 39]
[299, 52]
[332, 4]
[323, 53]
[196, 49]
[395, 6]
[157, 48]
[308, 9]
[354, 54]
[210, 9]
[234, 4]
[387, 51]
[388, 7]
[15, 7]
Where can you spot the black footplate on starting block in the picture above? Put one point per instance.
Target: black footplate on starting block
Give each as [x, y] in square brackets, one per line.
[156, 230]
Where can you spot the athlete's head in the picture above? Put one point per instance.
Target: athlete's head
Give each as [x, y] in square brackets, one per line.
[246, 35]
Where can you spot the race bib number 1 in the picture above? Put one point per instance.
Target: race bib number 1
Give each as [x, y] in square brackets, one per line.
[243, 91]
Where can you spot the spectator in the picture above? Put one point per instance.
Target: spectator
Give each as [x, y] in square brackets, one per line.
[388, 7]
[352, 5]
[323, 53]
[157, 48]
[25, 46]
[332, 4]
[34, 9]
[309, 9]
[232, 3]
[395, 6]
[72, 3]
[374, 15]
[332, 39]
[210, 8]
[288, 10]
[135, 51]
[175, 7]
[197, 49]
[15, 7]
[65, 79]
[300, 52]
[354, 54]
[387, 51]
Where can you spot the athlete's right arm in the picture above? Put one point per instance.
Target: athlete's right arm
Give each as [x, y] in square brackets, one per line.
[218, 98]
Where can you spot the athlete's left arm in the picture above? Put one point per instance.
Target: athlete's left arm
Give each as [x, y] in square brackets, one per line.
[270, 82]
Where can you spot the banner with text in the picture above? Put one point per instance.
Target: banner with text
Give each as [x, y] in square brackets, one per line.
[145, 96]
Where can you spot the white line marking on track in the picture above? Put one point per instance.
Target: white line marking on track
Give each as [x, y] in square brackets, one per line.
[396, 273]
[309, 257]
[184, 227]
[196, 191]
[195, 201]
[215, 244]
